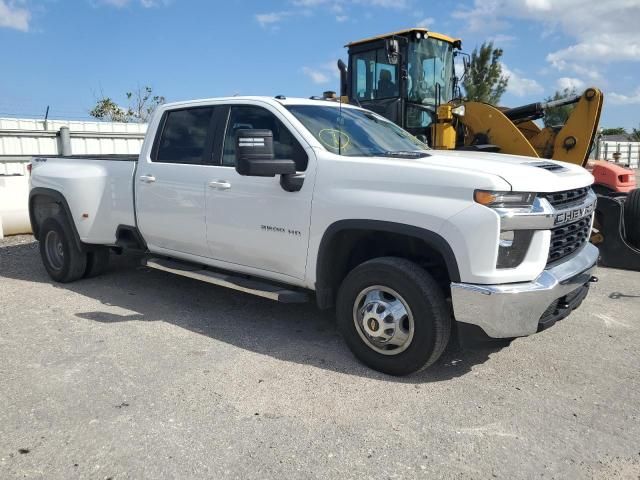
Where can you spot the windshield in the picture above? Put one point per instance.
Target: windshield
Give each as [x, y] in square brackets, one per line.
[430, 68]
[353, 132]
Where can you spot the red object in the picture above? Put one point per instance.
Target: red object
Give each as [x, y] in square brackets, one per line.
[29, 166]
[615, 177]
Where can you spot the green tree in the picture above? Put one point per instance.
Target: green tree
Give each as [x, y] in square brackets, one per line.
[558, 115]
[484, 81]
[634, 136]
[614, 131]
[141, 103]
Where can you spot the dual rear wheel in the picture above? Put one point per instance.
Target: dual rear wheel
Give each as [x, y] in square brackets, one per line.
[64, 260]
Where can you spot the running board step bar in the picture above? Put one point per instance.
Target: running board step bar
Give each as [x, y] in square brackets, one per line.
[261, 288]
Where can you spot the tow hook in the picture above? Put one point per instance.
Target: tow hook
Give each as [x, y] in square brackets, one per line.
[593, 279]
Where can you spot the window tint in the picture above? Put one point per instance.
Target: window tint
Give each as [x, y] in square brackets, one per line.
[357, 132]
[285, 146]
[374, 78]
[184, 135]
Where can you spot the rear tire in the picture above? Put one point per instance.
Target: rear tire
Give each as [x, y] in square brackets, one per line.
[393, 315]
[632, 217]
[61, 257]
[97, 261]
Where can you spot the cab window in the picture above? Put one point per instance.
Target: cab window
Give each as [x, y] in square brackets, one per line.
[374, 77]
[247, 117]
[184, 136]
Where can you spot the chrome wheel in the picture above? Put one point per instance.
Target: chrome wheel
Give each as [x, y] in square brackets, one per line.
[54, 250]
[383, 320]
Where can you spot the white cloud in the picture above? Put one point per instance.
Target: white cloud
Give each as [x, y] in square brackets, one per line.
[426, 22]
[624, 99]
[570, 83]
[601, 31]
[14, 15]
[601, 48]
[337, 7]
[323, 73]
[271, 18]
[316, 76]
[519, 85]
[333, 4]
[502, 39]
[144, 3]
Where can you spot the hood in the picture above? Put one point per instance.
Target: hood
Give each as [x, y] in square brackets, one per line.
[524, 174]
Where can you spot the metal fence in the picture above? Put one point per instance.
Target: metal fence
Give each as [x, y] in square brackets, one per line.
[629, 152]
[21, 139]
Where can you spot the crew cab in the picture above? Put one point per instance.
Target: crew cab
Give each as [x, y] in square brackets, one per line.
[295, 199]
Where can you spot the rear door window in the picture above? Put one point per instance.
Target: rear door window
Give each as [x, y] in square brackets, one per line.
[185, 135]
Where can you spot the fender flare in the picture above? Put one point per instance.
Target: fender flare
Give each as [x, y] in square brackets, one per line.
[58, 198]
[324, 260]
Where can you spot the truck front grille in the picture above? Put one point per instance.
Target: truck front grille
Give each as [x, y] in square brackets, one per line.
[567, 197]
[566, 239]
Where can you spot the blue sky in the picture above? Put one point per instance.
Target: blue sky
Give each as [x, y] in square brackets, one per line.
[66, 53]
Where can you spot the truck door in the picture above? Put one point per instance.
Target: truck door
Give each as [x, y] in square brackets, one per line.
[171, 183]
[253, 221]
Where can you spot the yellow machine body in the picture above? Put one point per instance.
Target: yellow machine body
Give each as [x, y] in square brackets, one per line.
[570, 142]
[511, 133]
[444, 133]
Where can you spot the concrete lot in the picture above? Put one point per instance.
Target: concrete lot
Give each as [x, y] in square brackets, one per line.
[140, 374]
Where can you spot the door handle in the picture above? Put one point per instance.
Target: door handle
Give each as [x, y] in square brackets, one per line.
[220, 185]
[147, 178]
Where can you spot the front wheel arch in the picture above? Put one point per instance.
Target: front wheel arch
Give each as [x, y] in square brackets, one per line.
[334, 251]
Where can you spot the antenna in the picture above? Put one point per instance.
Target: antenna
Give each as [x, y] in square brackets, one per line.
[46, 116]
[340, 129]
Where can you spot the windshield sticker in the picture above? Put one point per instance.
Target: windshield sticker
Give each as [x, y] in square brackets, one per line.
[334, 139]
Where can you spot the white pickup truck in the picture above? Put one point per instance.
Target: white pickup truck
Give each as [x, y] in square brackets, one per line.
[294, 198]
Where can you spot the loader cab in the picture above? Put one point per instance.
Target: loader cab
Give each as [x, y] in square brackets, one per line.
[403, 76]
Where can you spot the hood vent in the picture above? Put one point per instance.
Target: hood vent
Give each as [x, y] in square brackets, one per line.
[552, 167]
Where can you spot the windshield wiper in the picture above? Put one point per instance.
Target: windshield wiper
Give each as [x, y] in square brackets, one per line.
[405, 154]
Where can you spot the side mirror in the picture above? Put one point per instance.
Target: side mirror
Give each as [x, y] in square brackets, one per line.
[255, 157]
[393, 50]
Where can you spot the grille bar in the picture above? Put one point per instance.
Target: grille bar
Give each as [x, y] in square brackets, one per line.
[566, 239]
[567, 197]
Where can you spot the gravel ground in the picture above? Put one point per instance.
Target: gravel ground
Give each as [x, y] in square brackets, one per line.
[140, 374]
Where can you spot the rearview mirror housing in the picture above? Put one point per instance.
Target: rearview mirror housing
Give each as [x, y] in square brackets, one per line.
[392, 46]
[255, 156]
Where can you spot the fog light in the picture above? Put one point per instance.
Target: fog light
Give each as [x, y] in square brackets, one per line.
[506, 239]
[513, 247]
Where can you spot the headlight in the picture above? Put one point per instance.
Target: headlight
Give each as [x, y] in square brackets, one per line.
[504, 199]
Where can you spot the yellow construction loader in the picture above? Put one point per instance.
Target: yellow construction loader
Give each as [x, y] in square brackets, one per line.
[409, 77]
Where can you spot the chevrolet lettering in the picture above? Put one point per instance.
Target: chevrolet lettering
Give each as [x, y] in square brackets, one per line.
[574, 214]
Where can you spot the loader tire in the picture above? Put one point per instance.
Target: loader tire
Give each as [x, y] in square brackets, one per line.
[632, 217]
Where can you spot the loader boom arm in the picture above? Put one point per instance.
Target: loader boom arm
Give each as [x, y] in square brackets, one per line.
[514, 131]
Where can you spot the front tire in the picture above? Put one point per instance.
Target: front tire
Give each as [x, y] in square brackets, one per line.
[61, 257]
[393, 315]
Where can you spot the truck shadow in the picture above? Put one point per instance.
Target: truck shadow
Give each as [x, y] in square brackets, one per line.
[293, 333]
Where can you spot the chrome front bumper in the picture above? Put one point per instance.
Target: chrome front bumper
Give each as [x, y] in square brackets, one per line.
[514, 309]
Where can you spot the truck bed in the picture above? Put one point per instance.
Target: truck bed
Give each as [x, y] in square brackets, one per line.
[97, 188]
[111, 157]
